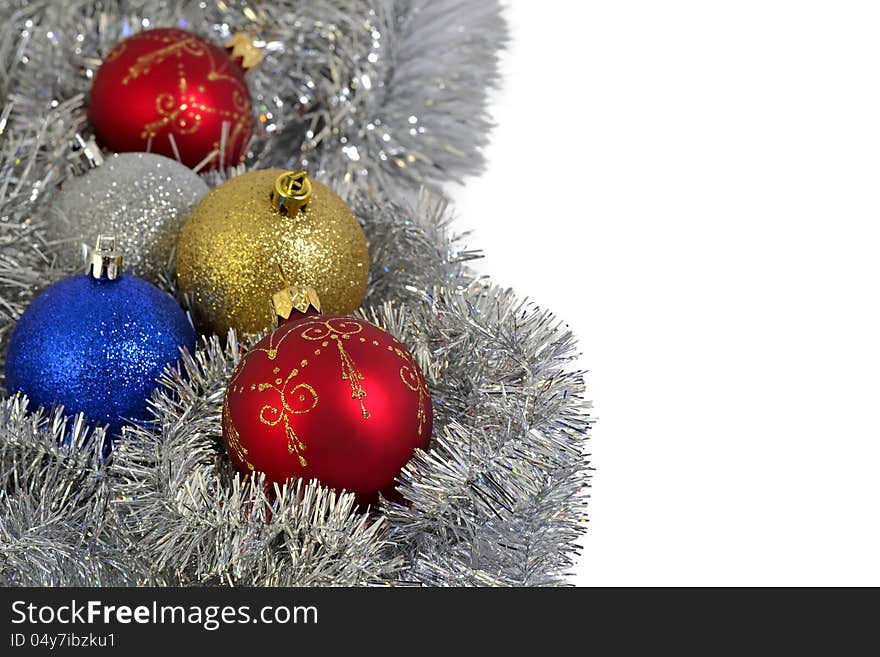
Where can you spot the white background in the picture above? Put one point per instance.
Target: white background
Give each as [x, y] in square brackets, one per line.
[708, 226]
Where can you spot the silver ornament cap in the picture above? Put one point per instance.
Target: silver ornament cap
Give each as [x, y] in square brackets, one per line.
[105, 261]
[84, 155]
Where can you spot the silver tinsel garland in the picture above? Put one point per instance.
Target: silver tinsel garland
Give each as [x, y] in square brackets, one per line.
[376, 94]
[499, 499]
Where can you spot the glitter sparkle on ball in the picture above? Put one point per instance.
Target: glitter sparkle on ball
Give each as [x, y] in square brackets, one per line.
[140, 198]
[96, 343]
[234, 240]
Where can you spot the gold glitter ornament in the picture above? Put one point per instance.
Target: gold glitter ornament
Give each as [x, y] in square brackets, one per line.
[235, 240]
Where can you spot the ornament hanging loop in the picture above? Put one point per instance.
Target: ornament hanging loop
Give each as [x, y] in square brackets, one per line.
[105, 261]
[292, 192]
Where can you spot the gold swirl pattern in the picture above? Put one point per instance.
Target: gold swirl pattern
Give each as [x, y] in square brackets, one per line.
[339, 330]
[301, 398]
[183, 114]
[418, 386]
[298, 400]
[116, 52]
[234, 438]
[145, 63]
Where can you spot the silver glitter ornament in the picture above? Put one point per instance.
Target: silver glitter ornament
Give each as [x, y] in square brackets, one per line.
[140, 198]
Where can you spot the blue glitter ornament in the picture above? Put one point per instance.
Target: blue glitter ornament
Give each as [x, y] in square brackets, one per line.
[97, 342]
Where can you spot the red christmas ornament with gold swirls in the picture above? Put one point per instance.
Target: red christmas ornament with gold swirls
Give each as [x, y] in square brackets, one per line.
[326, 397]
[175, 93]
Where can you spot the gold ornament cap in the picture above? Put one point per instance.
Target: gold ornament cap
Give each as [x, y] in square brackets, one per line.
[105, 261]
[291, 192]
[301, 298]
[243, 46]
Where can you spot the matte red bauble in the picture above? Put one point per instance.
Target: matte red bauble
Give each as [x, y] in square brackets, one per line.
[331, 398]
[174, 93]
